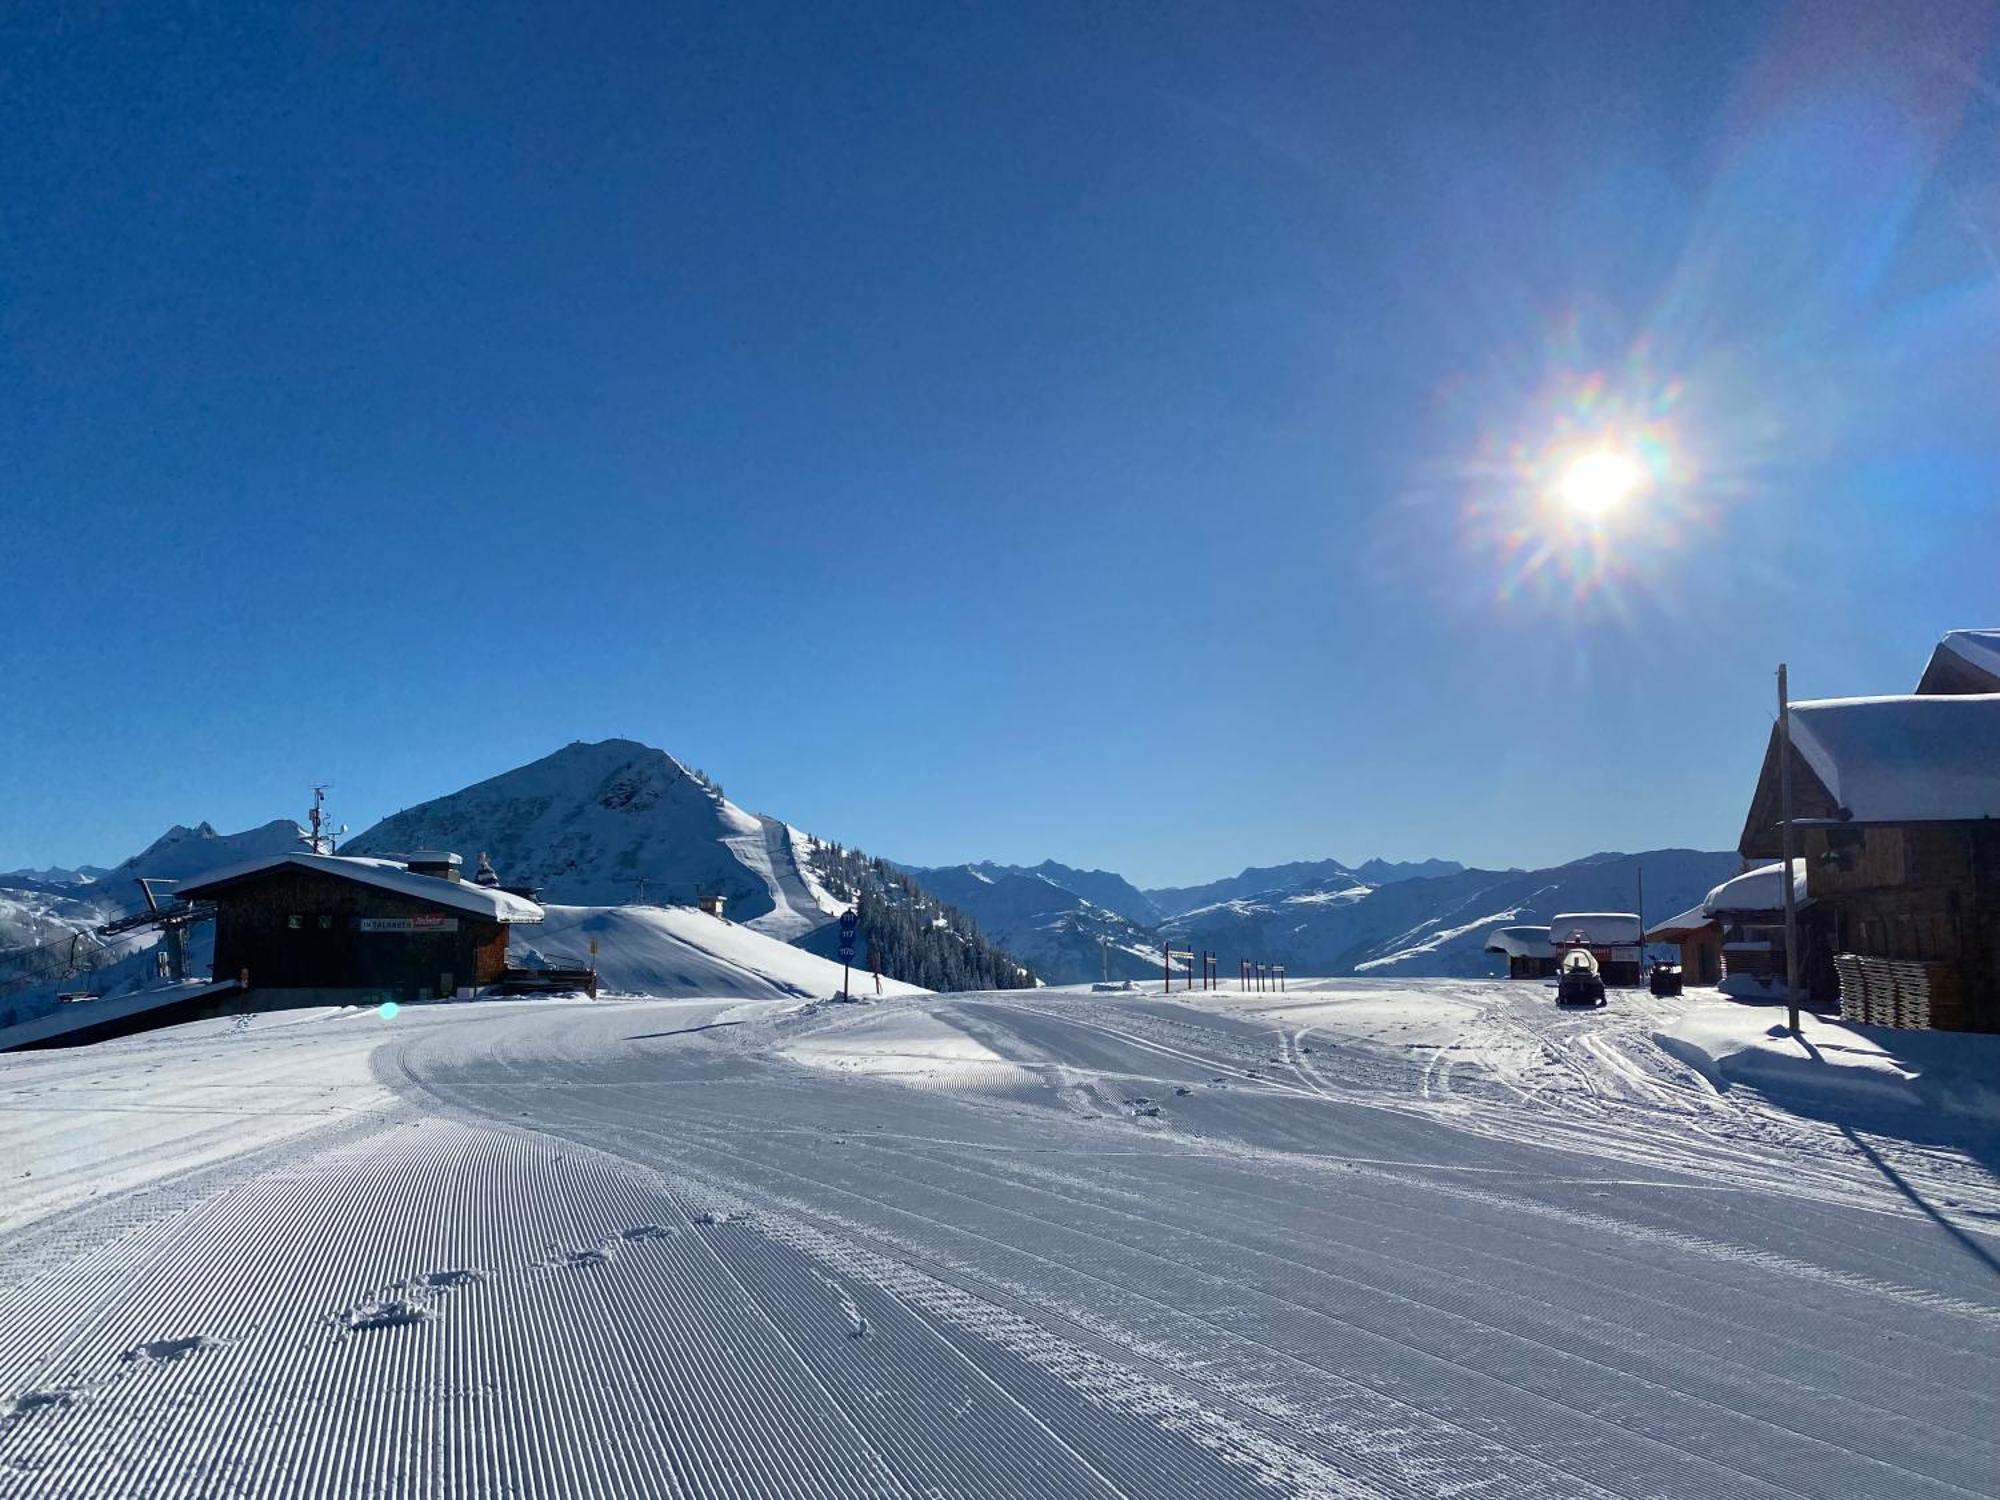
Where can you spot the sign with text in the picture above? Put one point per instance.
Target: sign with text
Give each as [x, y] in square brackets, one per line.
[409, 924]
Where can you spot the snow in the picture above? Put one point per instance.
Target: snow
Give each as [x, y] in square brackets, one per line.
[1362, 1239]
[1422, 943]
[682, 952]
[388, 875]
[182, 853]
[594, 823]
[1520, 942]
[911, 1045]
[1345, 896]
[1758, 890]
[1839, 1068]
[1692, 920]
[108, 1007]
[1905, 759]
[1601, 928]
[1744, 986]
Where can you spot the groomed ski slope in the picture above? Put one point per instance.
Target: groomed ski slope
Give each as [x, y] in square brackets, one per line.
[1364, 1239]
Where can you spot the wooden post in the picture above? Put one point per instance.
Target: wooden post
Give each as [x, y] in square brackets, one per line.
[1785, 816]
[1167, 967]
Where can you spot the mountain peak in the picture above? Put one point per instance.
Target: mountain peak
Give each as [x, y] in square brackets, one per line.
[608, 821]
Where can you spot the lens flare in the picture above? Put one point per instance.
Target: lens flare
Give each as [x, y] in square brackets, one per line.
[1580, 483]
[387, 1010]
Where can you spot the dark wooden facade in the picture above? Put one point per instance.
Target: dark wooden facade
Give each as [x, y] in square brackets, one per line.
[305, 929]
[1700, 951]
[1924, 893]
[1753, 943]
[1950, 673]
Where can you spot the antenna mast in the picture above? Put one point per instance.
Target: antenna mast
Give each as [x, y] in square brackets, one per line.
[319, 846]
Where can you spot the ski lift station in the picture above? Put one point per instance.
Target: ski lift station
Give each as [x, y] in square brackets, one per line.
[334, 928]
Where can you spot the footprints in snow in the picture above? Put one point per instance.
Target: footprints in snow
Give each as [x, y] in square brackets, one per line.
[857, 1325]
[421, 1298]
[133, 1362]
[166, 1351]
[576, 1260]
[407, 1302]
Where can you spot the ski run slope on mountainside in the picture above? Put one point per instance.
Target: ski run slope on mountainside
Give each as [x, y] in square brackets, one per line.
[1361, 1239]
[598, 824]
[678, 952]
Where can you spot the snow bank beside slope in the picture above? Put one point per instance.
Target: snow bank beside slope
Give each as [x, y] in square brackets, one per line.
[680, 953]
[1837, 1069]
[909, 1045]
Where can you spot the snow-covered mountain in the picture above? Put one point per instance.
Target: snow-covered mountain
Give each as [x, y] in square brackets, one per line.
[1328, 875]
[181, 853]
[54, 875]
[1064, 936]
[48, 926]
[1437, 926]
[618, 821]
[1316, 917]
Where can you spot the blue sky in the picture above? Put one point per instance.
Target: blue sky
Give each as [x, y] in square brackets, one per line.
[1116, 433]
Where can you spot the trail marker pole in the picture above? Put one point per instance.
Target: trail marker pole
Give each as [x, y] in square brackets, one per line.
[849, 921]
[1785, 824]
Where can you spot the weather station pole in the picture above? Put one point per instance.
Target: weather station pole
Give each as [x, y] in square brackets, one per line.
[1785, 827]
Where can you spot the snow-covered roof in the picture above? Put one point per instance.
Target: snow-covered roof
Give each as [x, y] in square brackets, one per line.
[1979, 647]
[1761, 889]
[1599, 927]
[389, 875]
[1907, 759]
[1520, 942]
[1692, 920]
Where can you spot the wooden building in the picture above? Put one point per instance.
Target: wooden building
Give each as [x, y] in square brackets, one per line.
[1896, 809]
[1965, 661]
[1749, 914]
[1527, 949]
[1699, 937]
[320, 928]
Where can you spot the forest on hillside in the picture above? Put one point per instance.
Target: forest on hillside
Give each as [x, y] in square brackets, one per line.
[906, 933]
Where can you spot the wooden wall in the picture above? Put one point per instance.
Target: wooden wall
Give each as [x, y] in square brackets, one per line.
[327, 949]
[1701, 957]
[1920, 892]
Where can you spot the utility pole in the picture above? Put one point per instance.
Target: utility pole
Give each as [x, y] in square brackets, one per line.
[1641, 866]
[1785, 824]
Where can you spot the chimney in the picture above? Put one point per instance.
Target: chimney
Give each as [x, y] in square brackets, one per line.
[437, 862]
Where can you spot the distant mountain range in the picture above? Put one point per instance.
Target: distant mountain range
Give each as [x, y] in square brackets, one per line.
[1320, 917]
[617, 822]
[1319, 874]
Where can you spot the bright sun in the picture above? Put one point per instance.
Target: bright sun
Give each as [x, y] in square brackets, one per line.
[1599, 482]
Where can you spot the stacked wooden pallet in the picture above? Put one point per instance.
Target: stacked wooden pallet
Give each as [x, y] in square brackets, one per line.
[1901, 992]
